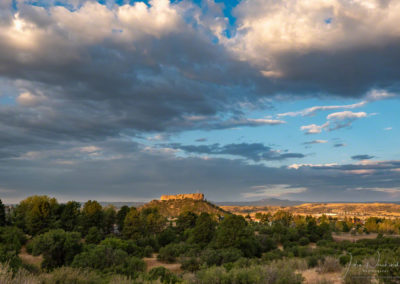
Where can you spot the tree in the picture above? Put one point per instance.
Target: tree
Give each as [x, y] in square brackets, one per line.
[121, 214]
[57, 246]
[110, 218]
[132, 224]
[204, 230]
[153, 221]
[69, 216]
[109, 259]
[147, 222]
[92, 215]
[36, 214]
[100, 257]
[2, 214]
[231, 232]
[94, 235]
[186, 220]
[12, 237]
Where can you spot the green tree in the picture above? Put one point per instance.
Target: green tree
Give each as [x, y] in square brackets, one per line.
[231, 232]
[92, 215]
[94, 235]
[152, 221]
[36, 214]
[57, 247]
[204, 230]
[70, 214]
[2, 214]
[186, 220]
[100, 257]
[12, 237]
[121, 214]
[110, 218]
[132, 224]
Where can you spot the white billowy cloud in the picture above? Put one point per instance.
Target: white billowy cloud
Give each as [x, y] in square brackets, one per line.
[335, 121]
[268, 29]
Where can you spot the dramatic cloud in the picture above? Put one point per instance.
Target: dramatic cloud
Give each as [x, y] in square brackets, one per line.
[328, 46]
[80, 81]
[255, 151]
[130, 171]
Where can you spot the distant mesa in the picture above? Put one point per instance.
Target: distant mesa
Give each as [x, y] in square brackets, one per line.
[194, 196]
[174, 205]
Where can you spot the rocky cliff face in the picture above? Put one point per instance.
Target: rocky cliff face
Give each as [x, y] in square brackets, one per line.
[194, 196]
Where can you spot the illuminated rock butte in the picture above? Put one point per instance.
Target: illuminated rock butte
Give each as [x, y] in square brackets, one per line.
[195, 196]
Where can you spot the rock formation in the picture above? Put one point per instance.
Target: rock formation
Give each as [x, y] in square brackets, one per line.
[194, 196]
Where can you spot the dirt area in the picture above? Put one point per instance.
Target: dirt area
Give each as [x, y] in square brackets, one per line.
[311, 276]
[30, 259]
[152, 262]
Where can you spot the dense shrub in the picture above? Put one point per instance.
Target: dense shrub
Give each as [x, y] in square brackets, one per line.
[190, 264]
[57, 247]
[344, 259]
[170, 252]
[100, 257]
[163, 275]
[128, 246]
[94, 235]
[12, 237]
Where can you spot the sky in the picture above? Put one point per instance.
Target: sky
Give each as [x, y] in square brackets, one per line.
[240, 100]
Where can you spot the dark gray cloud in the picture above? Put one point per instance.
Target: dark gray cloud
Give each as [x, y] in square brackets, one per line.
[115, 170]
[362, 157]
[252, 151]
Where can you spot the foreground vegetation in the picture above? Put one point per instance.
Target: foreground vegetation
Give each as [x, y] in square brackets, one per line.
[91, 244]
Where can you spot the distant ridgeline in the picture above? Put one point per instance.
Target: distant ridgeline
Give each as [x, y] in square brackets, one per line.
[195, 196]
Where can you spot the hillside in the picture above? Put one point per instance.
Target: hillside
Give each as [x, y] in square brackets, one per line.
[172, 208]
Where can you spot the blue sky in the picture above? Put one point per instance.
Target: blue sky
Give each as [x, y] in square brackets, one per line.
[241, 100]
